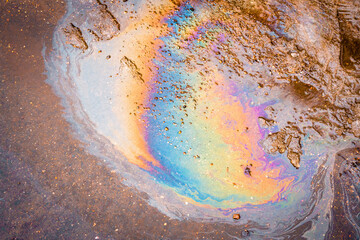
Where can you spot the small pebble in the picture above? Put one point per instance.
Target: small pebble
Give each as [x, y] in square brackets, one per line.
[355, 127]
[236, 216]
[294, 55]
[245, 233]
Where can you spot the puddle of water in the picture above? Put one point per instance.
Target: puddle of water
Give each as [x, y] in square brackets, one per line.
[211, 108]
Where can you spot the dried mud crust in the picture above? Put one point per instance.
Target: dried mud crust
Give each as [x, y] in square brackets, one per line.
[102, 25]
[75, 37]
[349, 21]
[289, 140]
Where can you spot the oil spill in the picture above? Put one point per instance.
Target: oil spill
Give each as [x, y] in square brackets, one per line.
[216, 107]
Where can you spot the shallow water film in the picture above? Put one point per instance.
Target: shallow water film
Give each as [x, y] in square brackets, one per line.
[221, 111]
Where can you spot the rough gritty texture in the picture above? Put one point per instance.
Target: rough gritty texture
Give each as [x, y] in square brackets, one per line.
[348, 15]
[50, 187]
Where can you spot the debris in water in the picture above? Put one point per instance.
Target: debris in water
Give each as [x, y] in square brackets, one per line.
[236, 216]
[75, 37]
[248, 171]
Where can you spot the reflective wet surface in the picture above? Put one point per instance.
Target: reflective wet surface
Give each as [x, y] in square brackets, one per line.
[208, 119]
